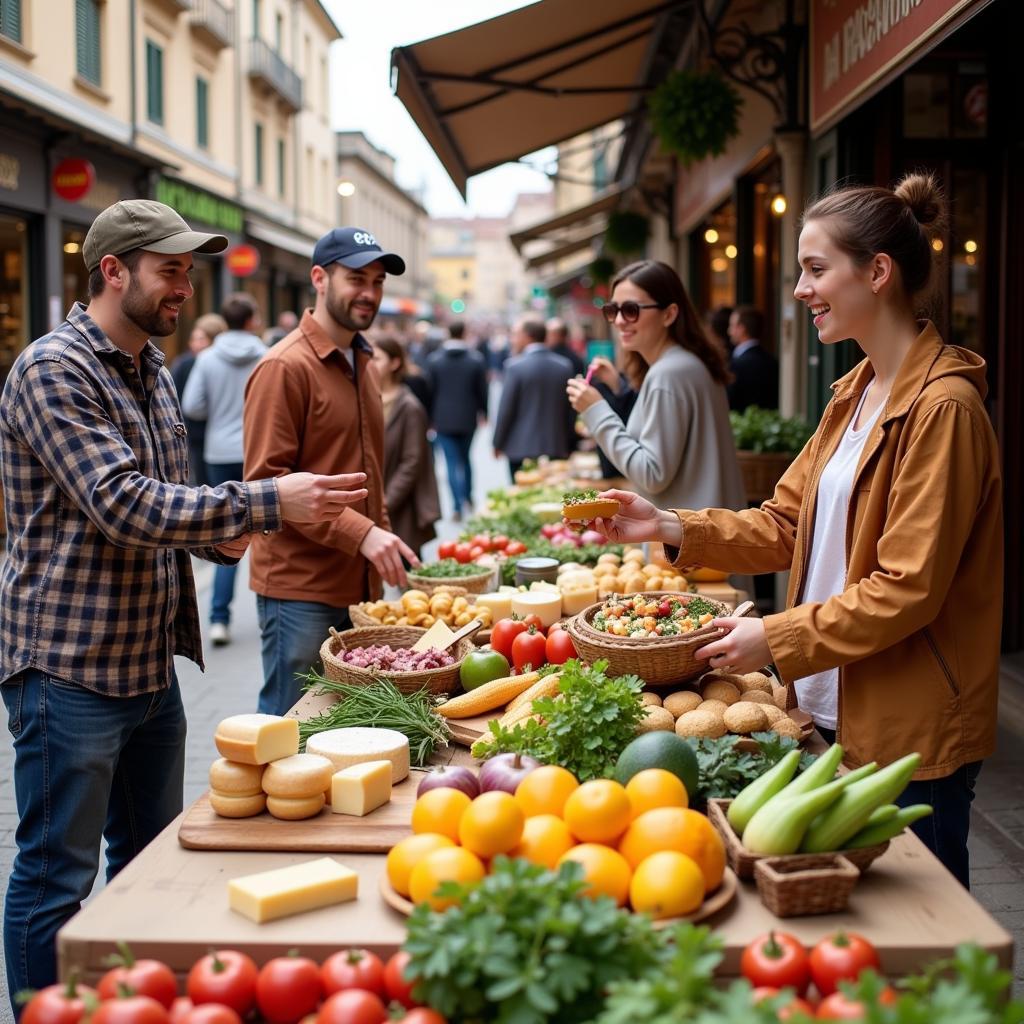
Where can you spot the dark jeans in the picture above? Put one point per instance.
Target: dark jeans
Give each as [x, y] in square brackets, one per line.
[85, 767]
[455, 448]
[945, 831]
[223, 575]
[514, 465]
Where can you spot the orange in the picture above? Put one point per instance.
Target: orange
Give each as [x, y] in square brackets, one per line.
[598, 812]
[440, 810]
[491, 824]
[676, 828]
[655, 787]
[667, 884]
[605, 870]
[545, 838]
[545, 790]
[407, 853]
[448, 864]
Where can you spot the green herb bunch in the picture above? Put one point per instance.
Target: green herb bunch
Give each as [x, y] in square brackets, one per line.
[584, 731]
[766, 430]
[523, 947]
[725, 770]
[448, 568]
[576, 497]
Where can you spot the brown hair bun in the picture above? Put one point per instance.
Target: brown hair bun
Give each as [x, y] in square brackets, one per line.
[921, 192]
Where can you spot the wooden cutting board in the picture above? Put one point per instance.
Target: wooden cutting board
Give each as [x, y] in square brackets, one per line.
[468, 730]
[203, 829]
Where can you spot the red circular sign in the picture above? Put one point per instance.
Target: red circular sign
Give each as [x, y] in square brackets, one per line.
[72, 179]
[242, 260]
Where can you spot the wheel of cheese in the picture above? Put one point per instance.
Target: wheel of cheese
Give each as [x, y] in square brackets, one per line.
[346, 747]
[295, 810]
[298, 777]
[234, 779]
[227, 805]
[257, 739]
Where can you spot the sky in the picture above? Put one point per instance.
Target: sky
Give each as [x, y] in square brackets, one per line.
[362, 99]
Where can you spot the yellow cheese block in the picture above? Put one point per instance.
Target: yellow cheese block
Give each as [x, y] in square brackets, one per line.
[357, 745]
[499, 604]
[234, 779]
[298, 776]
[361, 788]
[257, 739]
[292, 890]
[575, 599]
[548, 606]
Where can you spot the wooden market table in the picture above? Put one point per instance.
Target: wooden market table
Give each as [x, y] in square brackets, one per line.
[171, 903]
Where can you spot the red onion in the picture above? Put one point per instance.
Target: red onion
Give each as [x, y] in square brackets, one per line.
[454, 776]
[593, 537]
[506, 771]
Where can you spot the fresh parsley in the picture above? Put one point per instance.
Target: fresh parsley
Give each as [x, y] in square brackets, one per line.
[725, 770]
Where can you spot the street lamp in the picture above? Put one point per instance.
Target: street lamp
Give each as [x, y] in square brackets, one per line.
[779, 205]
[346, 189]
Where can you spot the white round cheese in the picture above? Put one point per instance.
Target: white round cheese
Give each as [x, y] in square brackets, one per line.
[346, 747]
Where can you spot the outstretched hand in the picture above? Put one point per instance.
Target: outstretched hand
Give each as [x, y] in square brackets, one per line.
[636, 521]
[744, 648]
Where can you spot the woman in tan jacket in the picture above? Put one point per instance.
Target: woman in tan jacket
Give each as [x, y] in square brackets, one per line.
[890, 521]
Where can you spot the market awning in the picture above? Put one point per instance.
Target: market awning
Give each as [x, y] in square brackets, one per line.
[493, 92]
[598, 206]
[565, 249]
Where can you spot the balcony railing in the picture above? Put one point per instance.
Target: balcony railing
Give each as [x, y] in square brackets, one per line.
[268, 67]
[214, 22]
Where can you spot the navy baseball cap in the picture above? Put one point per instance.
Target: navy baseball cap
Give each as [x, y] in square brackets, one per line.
[355, 248]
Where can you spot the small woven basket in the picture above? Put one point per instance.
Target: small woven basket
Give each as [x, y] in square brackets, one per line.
[437, 680]
[479, 583]
[743, 862]
[819, 884]
[656, 660]
[361, 619]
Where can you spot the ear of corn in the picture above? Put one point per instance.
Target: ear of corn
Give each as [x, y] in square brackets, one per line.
[521, 713]
[495, 694]
[546, 687]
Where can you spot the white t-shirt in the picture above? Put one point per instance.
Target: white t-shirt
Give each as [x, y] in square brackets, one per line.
[818, 694]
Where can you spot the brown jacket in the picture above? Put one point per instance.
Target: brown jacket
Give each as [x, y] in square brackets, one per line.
[410, 487]
[915, 634]
[303, 412]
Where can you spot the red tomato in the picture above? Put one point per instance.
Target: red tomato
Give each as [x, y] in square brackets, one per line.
[130, 1010]
[515, 547]
[499, 542]
[58, 1004]
[841, 1007]
[559, 647]
[144, 977]
[533, 619]
[211, 1013]
[841, 957]
[421, 1015]
[352, 1006]
[179, 1008]
[481, 540]
[353, 968]
[287, 988]
[794, 1005]
[503, 632]
[446, 549]
[398, 986]
[778, 960]
[227, 977]
[463, 552]
[476, 551]
[528, 649]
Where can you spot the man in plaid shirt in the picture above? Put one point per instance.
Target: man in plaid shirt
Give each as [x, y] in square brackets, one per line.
[97, 594]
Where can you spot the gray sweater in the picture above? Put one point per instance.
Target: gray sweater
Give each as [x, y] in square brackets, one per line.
[677, 448]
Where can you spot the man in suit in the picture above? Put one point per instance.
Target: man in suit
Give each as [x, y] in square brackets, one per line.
[534, 417]
[755, 371]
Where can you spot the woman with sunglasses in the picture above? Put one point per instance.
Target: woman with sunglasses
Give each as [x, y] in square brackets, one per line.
[890, 521]
[677, 444]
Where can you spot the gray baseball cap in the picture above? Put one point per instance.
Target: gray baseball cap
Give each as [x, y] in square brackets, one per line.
[144, 224]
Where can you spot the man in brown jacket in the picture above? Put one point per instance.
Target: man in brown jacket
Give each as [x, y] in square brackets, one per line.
[314, 401]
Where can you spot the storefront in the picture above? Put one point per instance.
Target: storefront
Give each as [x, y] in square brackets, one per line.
[281, 281]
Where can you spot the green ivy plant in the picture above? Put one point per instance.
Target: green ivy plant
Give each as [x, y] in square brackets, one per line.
[765, 430]
[694, 114]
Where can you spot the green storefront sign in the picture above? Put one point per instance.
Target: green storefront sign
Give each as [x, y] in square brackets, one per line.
[194, 204]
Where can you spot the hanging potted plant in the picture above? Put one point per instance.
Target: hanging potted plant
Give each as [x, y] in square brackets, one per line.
[626, 232]
[601, 270]
[695, 114]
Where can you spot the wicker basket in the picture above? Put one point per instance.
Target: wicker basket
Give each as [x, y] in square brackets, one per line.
[362, 618]
[819, 884]
[437, 680]
[656, 660]
[479, 583]
[761, 472]
[743, 862]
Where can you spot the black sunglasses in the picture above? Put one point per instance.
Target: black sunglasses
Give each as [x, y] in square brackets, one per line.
[629, 309]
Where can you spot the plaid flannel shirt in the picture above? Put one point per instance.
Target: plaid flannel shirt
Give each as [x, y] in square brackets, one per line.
[97, 587]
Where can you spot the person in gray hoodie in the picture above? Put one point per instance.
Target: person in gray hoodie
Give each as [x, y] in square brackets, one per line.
[214, 393]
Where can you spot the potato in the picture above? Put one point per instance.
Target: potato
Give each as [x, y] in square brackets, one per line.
[682, 701]
[650, 569]
[608, 558]
[634, 555]
[604, 569]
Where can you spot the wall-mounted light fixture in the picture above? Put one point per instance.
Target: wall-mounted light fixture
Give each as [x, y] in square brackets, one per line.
[731, 251]
[779, 204]
[711, 236]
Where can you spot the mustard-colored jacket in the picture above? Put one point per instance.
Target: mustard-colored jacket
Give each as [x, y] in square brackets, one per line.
[915, 633]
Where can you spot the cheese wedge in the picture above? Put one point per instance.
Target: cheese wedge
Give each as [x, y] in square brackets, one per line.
[257, 739]
[229, 805]
[361, 788]
[548, 606]
[290, 809]
[234, 779]
[346, 747]
[292, 890]
[298, 776]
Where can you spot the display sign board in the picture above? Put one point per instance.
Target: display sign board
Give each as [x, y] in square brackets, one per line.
[73, 177]
[242, 260]
[196, 205]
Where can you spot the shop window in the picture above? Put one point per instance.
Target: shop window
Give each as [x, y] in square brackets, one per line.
[202, 112]
[10, 19]
[154, 82]
[719, 250]
[87, 40]
[74, 276]
[258, 143]
[13, 291]
[280, 168]
[969, 252]
[946, 99]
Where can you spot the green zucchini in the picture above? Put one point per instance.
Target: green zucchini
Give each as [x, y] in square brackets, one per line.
[872, 835]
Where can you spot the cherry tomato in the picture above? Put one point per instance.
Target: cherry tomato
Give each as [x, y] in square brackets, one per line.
[839, 1006]
[528, 649]
[352, 1006]
[463, 552]
[179, 1008]
[398, 986]
[778, 960]
[446, 549]
[533, 619]
[476, 552]
[664, 609]
[211, 1013]
[503, 632]
[227, 977]
[59, 1004]
[481, 540]
[421, 1015]
[130, 1010]
[144, 977]
[287, 988]
[353, 968]
[515, 547]
[559, 648]
[841, 957]
[499, 542]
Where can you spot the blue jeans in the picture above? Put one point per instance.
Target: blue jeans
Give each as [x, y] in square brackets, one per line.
[292, 632]
[223, 575]
[455, 448]
[85, 766]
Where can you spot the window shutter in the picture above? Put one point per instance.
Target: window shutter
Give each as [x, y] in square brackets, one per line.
[202, 113]
[154, 83]
[259, 154]
[10, 19]
[87, 39]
